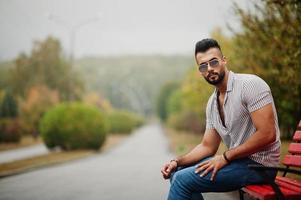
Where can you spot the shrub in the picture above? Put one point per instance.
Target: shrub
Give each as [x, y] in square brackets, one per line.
[123, 122]
[73, 126]
[9, 130]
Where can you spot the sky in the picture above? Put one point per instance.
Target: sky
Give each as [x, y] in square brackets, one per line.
[113, 27]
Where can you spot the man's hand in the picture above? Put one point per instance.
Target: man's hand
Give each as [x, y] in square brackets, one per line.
[214, 164]
[168, 168]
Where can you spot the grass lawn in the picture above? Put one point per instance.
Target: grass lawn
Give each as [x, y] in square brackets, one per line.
[11, 168]
[182, 142]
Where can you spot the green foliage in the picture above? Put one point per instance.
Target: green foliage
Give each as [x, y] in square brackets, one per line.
[45, 66]
[269, 44]
[8, 106]
[4, 74]
[123, 122]
[74, 126]
[163, 97]
[186, 121]
[196, 92]
[174, 102]
[9, 130]
[228, 48]
[187, 106]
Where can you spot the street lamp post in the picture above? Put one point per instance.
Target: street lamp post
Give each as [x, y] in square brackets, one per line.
[72, 29]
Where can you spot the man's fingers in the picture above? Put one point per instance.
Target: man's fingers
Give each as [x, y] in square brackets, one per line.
[208, 169]
[168, 168]
[201, 167]
[166, 176]
[213, 173]
[164, 170]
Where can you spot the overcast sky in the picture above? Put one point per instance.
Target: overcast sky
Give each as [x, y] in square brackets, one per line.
[123, 26]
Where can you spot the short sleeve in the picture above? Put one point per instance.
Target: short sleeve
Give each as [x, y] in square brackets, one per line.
[256, 94]
[209, 120]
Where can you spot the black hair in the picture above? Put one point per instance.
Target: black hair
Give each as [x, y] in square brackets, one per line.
[205, 44]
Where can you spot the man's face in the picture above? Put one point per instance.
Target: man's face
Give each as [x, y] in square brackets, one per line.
[211, 65]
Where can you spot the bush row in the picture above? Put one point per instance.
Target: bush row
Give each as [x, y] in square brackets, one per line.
[79, 126]
[123, 122]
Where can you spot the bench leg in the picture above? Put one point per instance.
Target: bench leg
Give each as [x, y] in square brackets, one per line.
[241, 194]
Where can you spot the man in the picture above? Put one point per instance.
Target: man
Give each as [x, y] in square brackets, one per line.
[241, 113]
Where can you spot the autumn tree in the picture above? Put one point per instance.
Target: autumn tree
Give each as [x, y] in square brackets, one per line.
[97, 100]
[37, 101]
[45, 66]
[270, 45]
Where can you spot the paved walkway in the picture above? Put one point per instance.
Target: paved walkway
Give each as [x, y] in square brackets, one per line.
[21, 153]
[129, 171]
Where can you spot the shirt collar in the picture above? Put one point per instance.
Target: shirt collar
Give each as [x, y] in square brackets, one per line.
[230, 83]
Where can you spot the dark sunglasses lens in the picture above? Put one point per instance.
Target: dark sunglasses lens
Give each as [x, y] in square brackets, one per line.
[203, 67]
[213, 63]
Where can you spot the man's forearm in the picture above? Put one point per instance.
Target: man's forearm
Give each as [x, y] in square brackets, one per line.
[254, 144]
[195, 155]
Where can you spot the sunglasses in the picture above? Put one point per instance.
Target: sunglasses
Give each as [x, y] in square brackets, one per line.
[204, 66]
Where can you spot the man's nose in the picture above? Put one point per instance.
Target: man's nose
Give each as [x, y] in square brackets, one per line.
[209, 68]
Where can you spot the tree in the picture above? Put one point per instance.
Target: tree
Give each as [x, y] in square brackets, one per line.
[38, 100]
[8, 106]
[163, 97]
[9, 124]
[227, 44]
[269, 44]
[45, 66]
[97, 100]
[195, 92]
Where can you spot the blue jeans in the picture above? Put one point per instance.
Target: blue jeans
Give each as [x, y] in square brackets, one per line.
[187, 185]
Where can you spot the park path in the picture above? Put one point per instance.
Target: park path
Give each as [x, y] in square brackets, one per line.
[130, 171]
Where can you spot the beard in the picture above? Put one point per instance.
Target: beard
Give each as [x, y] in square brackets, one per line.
[215, 78]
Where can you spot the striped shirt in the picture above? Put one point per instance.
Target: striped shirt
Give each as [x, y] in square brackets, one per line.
[245, 94]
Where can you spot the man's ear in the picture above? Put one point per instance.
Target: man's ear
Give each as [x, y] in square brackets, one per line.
[224, 60]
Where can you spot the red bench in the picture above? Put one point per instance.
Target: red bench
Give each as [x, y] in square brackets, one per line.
[282, 188]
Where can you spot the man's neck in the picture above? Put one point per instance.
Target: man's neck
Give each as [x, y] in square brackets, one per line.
[222, 87]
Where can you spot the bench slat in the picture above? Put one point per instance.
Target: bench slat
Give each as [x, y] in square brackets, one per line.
[266, 192]
[262, 192]
[294, 148]
[288, 183]
[297, 136]
[292, 160]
